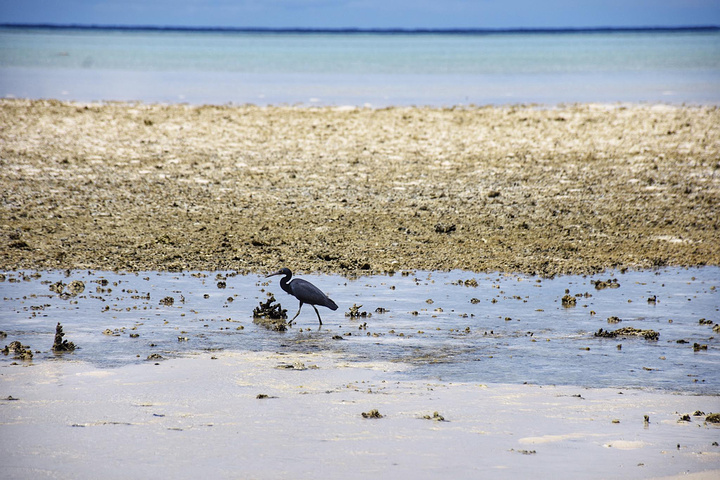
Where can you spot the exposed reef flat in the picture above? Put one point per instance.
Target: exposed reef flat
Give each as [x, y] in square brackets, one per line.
[572, 189]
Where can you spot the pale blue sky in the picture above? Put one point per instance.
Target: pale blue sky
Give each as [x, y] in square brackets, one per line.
[366, 13]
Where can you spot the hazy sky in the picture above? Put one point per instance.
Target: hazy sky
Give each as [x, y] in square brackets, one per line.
[366, 13]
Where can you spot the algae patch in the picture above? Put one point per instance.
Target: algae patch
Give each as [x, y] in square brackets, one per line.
[626, 332]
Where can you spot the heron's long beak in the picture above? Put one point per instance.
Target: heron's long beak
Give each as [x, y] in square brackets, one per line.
[273, 274]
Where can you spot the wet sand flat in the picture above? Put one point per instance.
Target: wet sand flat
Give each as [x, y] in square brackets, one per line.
[572, 189]
[274, 415]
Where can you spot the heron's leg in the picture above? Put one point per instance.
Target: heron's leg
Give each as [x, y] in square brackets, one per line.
[318, 314]
[296, 315]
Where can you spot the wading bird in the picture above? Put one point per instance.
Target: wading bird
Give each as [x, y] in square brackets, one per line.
[304, 291]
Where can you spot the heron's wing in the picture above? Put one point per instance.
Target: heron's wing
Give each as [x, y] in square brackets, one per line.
[306, 292]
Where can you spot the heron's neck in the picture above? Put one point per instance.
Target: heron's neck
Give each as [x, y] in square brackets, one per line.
[284, 284]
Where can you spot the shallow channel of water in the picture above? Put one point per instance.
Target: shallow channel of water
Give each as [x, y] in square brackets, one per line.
[507, 329]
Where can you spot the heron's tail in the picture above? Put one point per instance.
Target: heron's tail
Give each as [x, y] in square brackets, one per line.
[331, 305]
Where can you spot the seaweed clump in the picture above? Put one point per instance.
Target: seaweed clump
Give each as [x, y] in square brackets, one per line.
[76, 287]
[374, 413]
[167, 301]
[354, 312]
[603, 284]
[270, 315]
[628, 332]
[569, 301]
[435, 416]
[60, 345]
[22, 352]
[270, 310]
[67, 290]
[713, 418]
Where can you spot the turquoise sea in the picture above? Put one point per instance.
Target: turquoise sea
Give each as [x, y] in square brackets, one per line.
[361, 68]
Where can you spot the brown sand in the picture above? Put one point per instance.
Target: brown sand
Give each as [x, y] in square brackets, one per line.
[574, 189]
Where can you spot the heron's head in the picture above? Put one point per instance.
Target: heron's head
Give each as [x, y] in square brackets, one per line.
[282, 271]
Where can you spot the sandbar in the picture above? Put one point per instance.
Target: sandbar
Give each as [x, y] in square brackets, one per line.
[294, 415]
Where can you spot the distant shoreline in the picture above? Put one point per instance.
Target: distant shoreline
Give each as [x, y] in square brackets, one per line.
[386, 31]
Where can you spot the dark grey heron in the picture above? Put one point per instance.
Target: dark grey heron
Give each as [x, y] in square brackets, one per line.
[304, 291]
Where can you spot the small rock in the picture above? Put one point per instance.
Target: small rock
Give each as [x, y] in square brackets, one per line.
[75, 287]
[628, 332]
[569, 301]
[443, 228]
[22, 352]
[167, 301]
[372, 414]
[57, 287]
[435, 416]
[602, 284]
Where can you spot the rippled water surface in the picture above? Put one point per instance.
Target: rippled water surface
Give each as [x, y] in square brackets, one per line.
[507, 329]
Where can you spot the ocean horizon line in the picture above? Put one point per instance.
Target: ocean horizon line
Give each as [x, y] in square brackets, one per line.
[358, 30]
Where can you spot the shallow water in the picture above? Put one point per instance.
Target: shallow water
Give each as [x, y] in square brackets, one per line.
[517, 332]
[357, 69]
